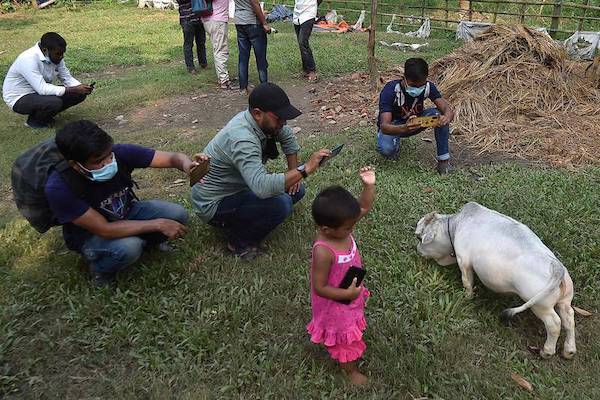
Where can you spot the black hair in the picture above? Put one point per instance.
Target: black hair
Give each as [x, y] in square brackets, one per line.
[416, 69]
[334, 206]
[81, 140]
[52, 41]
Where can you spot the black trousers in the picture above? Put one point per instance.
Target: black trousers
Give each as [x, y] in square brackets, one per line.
[43, 108]
[303, 32]
[193, 31]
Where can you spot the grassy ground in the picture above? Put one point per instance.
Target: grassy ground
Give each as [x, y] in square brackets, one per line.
[199, 324]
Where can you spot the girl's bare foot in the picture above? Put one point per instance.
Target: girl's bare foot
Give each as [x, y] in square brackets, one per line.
[312, 76]
[354, 374]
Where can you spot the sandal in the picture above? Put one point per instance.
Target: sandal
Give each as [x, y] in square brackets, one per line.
[247, 253]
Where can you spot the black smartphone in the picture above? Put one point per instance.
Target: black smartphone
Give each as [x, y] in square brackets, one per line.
[353, 272]
[334, 152]
[93, 84]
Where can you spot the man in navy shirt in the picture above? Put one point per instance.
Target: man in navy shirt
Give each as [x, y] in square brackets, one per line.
[401, 101]
[93, 200]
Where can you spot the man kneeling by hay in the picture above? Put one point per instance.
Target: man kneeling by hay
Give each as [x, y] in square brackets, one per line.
[401, 102]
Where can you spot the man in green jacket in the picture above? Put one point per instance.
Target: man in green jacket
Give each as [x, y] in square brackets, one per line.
[238, 194]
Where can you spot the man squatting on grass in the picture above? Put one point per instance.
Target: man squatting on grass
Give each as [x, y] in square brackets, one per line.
[401, 101]
[28, 87]
[238, 194]
[102, 219]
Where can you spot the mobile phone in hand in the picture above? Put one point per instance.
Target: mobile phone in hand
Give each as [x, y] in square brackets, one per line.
[334, 152]
[353, 272]
[198, 172]
[93, 84]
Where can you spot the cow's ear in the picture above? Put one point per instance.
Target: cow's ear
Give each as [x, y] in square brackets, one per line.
[428, 236]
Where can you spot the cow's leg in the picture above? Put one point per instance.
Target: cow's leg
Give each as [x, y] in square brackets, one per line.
[567, 316]
[466, 274]
[552, 322]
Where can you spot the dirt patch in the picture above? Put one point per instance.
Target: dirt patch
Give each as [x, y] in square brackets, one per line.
[213, 108]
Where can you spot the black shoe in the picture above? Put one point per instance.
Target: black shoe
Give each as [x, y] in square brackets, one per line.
[35, 124]
[101, 280]
[444, 167]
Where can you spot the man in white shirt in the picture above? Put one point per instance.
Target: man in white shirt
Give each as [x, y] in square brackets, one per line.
[28, 87]
[305, 12]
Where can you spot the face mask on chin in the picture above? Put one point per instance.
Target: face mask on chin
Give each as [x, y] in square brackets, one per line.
[103, 174]
[415, 91]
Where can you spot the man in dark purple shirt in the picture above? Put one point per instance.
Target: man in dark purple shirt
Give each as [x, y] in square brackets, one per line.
[94, 201]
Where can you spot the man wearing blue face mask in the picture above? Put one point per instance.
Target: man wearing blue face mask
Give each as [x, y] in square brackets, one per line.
[401, 101]
[93, 199]
[28, 87]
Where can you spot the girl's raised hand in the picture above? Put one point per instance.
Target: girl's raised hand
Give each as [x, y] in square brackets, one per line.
[367, 175]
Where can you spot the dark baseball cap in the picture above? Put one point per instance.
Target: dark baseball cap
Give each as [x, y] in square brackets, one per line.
[270, 97]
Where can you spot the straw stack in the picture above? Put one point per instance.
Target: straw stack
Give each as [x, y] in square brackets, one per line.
[515, 91]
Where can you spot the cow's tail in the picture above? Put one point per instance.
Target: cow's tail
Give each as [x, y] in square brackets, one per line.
[558, 272]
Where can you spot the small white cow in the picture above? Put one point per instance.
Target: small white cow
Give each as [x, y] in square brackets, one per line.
[507, 258]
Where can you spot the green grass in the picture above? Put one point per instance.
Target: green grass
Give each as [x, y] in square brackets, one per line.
[199, 324]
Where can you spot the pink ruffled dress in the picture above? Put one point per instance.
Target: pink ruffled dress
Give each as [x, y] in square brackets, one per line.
[336, 325]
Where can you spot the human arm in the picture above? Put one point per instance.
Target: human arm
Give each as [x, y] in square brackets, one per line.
[323, 258]
[445, 109]
[367, 196]
[260, 15]
[29, 69]
[92, 221]
[292, 162]
[165, 159]
[388, 128]
[246, 155]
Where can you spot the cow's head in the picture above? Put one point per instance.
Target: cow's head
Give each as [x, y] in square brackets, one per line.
[434, 241]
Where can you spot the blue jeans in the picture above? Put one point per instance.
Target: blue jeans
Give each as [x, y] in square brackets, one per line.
[251, 36]
[112, 255]
[248, 219]
[389, 145]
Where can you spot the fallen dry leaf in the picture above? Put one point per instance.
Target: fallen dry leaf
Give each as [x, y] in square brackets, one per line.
[428, 190]
[582, 312]
[522, 382]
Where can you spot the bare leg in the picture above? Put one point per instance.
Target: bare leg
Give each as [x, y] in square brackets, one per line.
[552, 322]
[353, 373]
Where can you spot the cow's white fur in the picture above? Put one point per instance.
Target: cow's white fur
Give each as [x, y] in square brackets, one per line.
[507, 258]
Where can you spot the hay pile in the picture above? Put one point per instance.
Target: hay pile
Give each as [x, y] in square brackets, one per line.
[515, 91]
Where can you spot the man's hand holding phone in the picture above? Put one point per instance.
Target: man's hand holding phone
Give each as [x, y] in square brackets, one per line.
[315, 160]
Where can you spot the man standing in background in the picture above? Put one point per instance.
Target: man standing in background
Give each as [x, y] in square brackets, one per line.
[216, 27]
[305, 13]
[252, 30]
[192, 29]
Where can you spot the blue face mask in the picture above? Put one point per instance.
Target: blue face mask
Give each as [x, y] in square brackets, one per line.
[415, 91]
[105, 173]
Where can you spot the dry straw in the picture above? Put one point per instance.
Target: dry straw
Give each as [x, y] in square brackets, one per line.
[514, 90]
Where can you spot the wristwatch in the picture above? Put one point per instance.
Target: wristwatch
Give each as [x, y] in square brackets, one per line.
[302, 169]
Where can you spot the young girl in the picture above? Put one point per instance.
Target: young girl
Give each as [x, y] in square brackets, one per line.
[335, 324]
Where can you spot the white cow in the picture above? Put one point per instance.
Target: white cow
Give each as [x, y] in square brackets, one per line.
[508, 258]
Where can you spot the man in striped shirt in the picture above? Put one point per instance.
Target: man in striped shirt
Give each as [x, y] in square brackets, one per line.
[192, 30]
